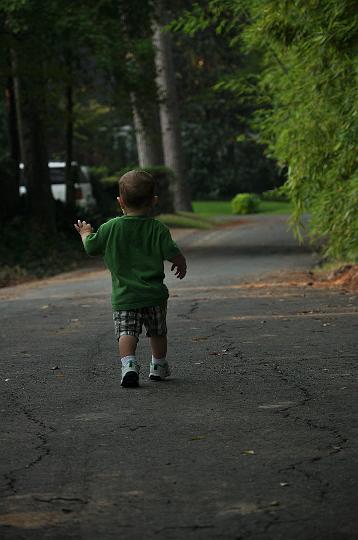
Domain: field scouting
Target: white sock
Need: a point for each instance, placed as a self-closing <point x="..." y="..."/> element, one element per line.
<point x="126" y="359"/>
<point x="159" y="360"/>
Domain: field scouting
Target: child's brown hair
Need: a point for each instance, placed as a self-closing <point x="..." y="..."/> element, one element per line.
<point x="137" y="188"/>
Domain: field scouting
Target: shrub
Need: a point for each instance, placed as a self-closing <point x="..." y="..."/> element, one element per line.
<point x="245" y="203"/>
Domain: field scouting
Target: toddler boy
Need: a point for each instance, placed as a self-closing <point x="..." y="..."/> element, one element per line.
<point x="134" y="247"/>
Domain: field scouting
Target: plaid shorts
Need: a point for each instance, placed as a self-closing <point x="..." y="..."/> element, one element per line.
<point x="129" y="322"/>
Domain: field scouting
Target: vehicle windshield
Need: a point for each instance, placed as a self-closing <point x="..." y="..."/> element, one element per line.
<point x="57" y="175"/>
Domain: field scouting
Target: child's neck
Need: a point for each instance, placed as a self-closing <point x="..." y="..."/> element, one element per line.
<point x="134" y="212"/>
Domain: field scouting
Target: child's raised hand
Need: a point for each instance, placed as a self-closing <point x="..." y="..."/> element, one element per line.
<point x="179" y="265"/>
<point x="83" y="228"/>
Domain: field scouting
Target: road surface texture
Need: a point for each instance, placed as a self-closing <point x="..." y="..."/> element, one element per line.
<point x="253" y="437"/>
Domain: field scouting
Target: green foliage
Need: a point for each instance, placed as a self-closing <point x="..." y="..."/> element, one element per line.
<point x="335" y="219"/>
<point x="245" y="203"/>
<point x="277" y="194"/>
<point x="311" y="123"/>
<point x="306" y="91"/>
<point x="56" y="47"/>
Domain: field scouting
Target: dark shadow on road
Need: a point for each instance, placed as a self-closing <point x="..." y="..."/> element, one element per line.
<point x="249" y="251"/>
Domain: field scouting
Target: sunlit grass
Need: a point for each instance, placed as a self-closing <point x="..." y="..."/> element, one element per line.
<point x="275" y="207"/>
<point x="212" y="208"/>
<point x="220" y="208"/>
<point x="186" y="220"/>
<point x="206" y="213"/>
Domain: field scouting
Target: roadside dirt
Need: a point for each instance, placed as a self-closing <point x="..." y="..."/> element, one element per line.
<point x="83" y="267"/>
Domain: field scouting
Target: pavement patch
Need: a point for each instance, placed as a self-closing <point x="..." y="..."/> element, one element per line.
<point x="93" y="417"/>
<point x="246" y="508"/>
<point x="265" y="316"/>
<point x="279" y="405"/>
<point x="32" y="520"/>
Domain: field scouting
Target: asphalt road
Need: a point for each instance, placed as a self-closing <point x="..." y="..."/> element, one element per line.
<point x="253" y="437"/>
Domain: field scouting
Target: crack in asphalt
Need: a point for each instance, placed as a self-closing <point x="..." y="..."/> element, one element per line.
<point x="333" y="449"/>
<point x="273" y="520"/>
<point x="93" y="352"/>
<point x="287" y="412"/>
<point x="214" y="330"/>
<point x="61" y="499"/>
<point x="43" y="448"/>
<point x="190" y="527"/>
<point x="233" y="351"/>
<point x="132" y="428"/>
<point x="194" y="306"/>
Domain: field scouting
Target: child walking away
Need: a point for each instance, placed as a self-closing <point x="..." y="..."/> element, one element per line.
<point x="134" y="247"/>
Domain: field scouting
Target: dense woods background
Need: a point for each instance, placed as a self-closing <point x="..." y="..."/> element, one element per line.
<point x="230" y="96"/>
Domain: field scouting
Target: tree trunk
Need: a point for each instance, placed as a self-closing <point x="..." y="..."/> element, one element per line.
<point x="70" y="188"/>
<point x="32" y="113"/>
<point x="12" y="127"/>
<point x="169" y="115"/>
<point x="36" y="170"/>
<point x="147" y="132"/>
<point x="10" y="171"/>
<point x="14" y="70"/>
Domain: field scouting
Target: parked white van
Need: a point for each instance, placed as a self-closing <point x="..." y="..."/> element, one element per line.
<point x="83" y="187"/>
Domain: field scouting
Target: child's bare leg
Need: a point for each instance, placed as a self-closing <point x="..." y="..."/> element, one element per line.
<point x="127" y="346"/>
<point x="159" y="346"/>
<point x="159" y="367"/>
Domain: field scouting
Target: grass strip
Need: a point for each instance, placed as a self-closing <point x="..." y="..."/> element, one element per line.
<point x="221" y="208"/>
<point x="186" y="220"/>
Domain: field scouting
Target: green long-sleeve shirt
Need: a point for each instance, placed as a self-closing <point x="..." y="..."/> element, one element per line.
<point x="134" y="248"/>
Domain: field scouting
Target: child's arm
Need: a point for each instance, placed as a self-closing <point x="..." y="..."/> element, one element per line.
<point x="179" y="265"/>
<point x="94" y="242"/>
<point x="172" y="253"/>
<point x="83" y="229"/>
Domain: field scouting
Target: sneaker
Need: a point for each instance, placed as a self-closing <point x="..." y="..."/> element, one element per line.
<point x="158" y="372"/>
<point x="130" y="375"/>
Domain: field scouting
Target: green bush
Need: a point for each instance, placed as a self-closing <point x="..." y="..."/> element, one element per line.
<point x="245" y="203"/>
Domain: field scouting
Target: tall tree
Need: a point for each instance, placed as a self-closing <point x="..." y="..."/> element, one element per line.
<point x="169" y="110"/>
<point x="69" y="122"/>
<point x="26" y="36"/>
<point x="10" y="166"/>
<point x="32" y="111"/>
<point x="147" y="132"/>
<point x="140" y="83"/>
